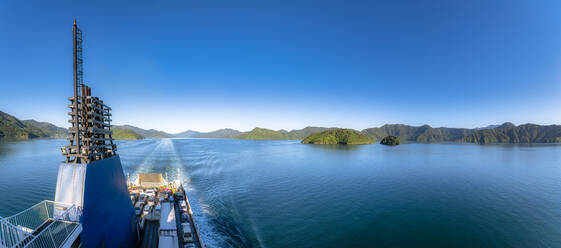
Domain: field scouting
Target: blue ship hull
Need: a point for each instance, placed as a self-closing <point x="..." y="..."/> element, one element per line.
<point x="100" y="189"/>
<point x="108" y="217"/>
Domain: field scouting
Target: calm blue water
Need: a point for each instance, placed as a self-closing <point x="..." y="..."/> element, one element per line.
<point x="285" y="194"/>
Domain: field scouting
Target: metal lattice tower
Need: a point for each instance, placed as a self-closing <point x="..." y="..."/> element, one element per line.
<point x="90" y="134"/>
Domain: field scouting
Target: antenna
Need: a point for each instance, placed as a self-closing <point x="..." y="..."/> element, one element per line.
<point x="78" y="81"/>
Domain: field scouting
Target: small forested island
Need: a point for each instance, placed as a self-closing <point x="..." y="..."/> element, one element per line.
<point x="390" y="141"/>
<point x="338" y="136"/>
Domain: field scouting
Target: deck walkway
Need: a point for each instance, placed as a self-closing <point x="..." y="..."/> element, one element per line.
<point x="150" y="237"/>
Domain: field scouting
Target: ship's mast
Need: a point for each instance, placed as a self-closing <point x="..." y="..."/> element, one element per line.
<point x="90" y="134"/>
<point x="78" y="81"/>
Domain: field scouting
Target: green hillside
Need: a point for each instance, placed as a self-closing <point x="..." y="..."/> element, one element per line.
<point x="263" y="134"/>
<point x="226" y="133"/>
<point x="146" y="133"/>
<point x="49" y="129"/>
<point x="268" y="134"/>
<point x="300" y="134"/>
<point x="125" y="134"/>
<point x="423" y="134"/>
<point x="13" y="128"/>
<point x="508" y="133"/>
<point x="338" y="136"/>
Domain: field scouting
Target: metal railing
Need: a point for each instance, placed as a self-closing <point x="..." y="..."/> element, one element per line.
<point x="46" y="224"/>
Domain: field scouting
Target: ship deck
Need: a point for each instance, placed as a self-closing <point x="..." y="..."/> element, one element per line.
<point x="164" y="227"/>
<point x="149" y="236"/>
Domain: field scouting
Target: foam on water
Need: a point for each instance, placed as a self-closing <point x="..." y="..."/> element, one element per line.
<point x="165" y="157"/>
<point x="208" y="233"/>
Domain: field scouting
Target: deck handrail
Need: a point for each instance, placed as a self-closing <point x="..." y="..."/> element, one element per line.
<point x="32" y="226"/>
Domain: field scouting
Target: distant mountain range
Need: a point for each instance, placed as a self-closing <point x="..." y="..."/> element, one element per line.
<point x="505" y="133"/>
<point x="226" y="133"/>
<point x="146" y="133"/>
<point x="13" y="128"/>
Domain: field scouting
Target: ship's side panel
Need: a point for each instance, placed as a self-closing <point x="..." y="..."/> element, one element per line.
<point x="70" y="184"/>
<point x="108" y="218"/>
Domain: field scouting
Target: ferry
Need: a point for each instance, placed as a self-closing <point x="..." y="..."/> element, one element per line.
<point x="95" y="205"/>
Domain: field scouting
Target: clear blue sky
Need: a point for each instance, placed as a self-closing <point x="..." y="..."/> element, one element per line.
<point x="205" y="65"/>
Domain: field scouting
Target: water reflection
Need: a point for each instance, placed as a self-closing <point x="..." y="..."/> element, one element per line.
<point x="4" y="149"/>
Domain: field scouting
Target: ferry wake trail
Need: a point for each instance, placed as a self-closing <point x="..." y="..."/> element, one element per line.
<point x="161" y="156"/>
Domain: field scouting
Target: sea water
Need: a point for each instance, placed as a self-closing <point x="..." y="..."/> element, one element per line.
<point x="286" y="194"/>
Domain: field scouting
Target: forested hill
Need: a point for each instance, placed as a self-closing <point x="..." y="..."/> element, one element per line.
<point x="505" y="133"/>
<point x="424" y="134"/>
<point x="338" y="136"/>
<point x="49" y="129"/>
<point x="268" y="134"/>
<point x="508" y="133"/>
<point x="147" y="133"/>
<point x="13" y="128"/>
<point x="225" y="133"/>
<point x="125" y="134"/>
